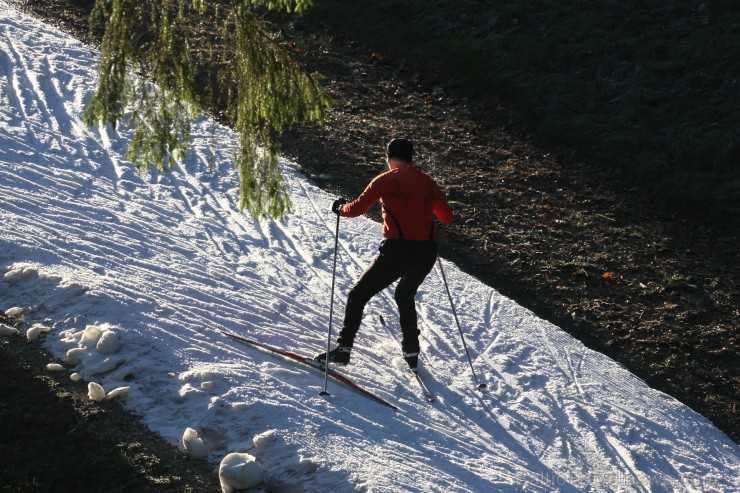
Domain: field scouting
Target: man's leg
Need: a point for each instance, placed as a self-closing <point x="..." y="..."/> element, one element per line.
<point x="418" y="264"/>
<point x="384" y="270"/>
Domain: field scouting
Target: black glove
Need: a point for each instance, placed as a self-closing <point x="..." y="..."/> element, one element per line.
<point x="336" y="207"/>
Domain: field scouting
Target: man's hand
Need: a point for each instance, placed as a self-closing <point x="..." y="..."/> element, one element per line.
<point x="336" y="207"/>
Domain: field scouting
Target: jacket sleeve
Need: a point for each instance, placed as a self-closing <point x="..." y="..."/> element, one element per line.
<point x="366" y="200"/>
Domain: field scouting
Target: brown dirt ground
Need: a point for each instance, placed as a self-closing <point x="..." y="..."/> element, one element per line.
<point x="54" y="439"/>
<point x="574" y="243"/>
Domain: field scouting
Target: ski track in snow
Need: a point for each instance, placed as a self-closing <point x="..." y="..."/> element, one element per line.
<point x="167" y="260"/>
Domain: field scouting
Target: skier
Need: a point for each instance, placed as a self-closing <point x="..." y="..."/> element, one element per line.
<point x="410" y="200"/>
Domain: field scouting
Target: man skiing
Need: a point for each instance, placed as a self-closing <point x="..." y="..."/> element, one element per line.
<point x="411" y="200"/>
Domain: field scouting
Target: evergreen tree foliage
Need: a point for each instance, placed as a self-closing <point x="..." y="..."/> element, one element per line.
<point x="155" y="55"/>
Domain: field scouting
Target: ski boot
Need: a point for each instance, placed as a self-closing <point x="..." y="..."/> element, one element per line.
<point x="412" y="359"/>
<point x="339" y="355"/>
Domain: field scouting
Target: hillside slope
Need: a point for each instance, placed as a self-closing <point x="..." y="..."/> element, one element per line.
<point x="128" y="277"/>
<point x="566" y="239"/>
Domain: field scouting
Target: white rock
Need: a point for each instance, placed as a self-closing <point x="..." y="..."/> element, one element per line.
<point x="14" y="312"/>
<point x="95" y="392"/>
<point x="54" y="367"/>
<point x="193" y="445"/>
<point x="75" y="377"/>
<point x="6" y="330"/>
<point x="109" y="343"/>
<point x="120" y="392"/>
<point x="239" y="472"/>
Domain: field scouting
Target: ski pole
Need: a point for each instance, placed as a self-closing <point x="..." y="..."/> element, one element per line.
<point x="331" y="310"/>
<point x="478" y="386"/>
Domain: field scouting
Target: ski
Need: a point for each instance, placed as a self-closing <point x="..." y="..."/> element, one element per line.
<point x="424" y="390"/>
<point x="311" y="363"/>
<point x="428" y="396"/>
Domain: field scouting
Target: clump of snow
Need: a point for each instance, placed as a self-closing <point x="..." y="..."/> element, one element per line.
<point x="18" y="272"/>
<point x="239" y="471"/>
<point x="186" y="391"/>
<point x="237" y="406"/>
<point x="69" y="336"/>
<point x="54" y="367"/>
<point x="75" y="377"/>
<point x="109" y="343"/>
<point x="307" y="466"/>
<point x="95" y="392"/>
<point x="95" y="347"/>
<point x="7" y="331"/>
<point x="14" y="312"/>
<point x="187" y="376"/>
<point x="117" y="393"/>
<point x="74" y="355"/>
<point x="193" y="444"/>
<point x="55" y="278"/>
<point x="107" y="365"/>
<point x="265" y="439"/>
<point x="13" y="275"/>
<point x="90" y="336"/>
<point x="35" y="331"/>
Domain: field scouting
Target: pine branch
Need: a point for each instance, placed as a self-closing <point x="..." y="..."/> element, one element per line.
<point x="264" y="88"/>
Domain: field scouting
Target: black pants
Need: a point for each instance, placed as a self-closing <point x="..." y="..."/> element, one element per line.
<point x="407" y="261"/>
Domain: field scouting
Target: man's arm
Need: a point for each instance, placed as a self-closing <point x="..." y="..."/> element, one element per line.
<point x="442" y="209"/>
<point x="366" y="200"/>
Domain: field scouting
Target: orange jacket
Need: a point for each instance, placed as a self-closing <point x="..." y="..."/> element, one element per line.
<point x="411" y="199"/>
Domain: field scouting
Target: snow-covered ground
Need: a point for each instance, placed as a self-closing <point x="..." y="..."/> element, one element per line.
<point x="159" y="263"/>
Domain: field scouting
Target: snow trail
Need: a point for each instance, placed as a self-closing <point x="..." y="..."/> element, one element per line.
<point x="165" y="261"/>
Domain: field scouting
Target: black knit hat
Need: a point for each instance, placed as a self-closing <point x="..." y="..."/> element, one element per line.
<point x="401" y="150"/>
